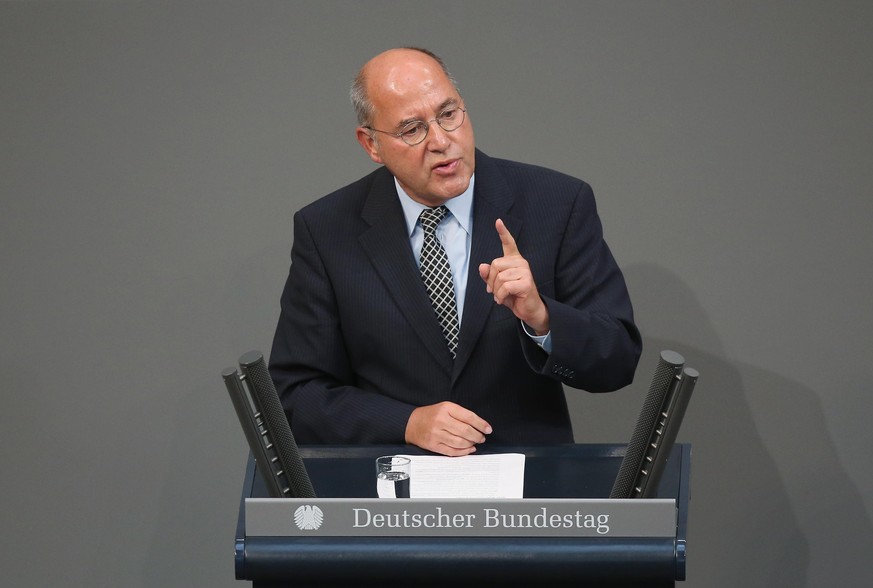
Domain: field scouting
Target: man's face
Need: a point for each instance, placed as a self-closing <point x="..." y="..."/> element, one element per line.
<point x="405" y="86"/>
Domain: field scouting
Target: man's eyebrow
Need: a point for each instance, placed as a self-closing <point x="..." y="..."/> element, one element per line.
<point x="406" y="122"/>
<point x="448" y="102"/>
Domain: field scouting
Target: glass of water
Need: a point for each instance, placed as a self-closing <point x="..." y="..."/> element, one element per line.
<point x="392" y="476"/>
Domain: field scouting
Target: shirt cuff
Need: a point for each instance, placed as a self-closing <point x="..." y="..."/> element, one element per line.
<point x="544" y="341"/>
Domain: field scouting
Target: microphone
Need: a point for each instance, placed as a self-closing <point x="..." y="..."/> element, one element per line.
<point x="266" y="428"/>
<point x="656" y="428"/>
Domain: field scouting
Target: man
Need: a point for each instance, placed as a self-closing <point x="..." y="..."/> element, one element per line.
<point x="366" y="350"/>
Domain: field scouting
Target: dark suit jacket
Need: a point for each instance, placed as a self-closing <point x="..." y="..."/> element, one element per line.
<point x="358" y="345"/>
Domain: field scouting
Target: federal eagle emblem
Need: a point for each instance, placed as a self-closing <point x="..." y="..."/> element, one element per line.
<point x="308" y="517"/>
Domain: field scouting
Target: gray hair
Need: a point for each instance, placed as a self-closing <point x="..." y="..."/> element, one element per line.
<point x="364" y="109"/>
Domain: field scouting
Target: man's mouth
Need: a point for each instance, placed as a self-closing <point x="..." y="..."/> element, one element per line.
<point x="447" y="167"/>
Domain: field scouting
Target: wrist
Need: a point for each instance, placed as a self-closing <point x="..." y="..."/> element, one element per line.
<point x="539" y="322"/>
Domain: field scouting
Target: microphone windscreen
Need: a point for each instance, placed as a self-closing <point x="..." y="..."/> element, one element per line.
<point x="255" y="369"/>
<point x="669" y="367"/>
<point x="257" y="437"/>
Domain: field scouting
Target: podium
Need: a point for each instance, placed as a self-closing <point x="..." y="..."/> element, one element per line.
<point x="580" y="471"/>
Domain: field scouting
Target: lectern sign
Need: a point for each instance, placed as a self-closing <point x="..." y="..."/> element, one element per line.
<point x="326" y="517"/>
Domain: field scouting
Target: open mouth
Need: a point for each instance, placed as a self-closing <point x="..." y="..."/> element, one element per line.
<point x="447" y="167"/>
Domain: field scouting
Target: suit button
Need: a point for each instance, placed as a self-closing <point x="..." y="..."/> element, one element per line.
<point x="563" y="371"/>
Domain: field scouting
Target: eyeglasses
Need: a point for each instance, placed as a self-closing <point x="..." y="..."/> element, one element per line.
<point x="415" y="132"/>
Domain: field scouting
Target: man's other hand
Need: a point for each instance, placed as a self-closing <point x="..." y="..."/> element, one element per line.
<point x="446" y="428"/>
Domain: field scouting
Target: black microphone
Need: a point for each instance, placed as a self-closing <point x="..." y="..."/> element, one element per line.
<point x="266" y="428"/>
<point x="656" y="428"/>
<point x="256" y="435"/>
<point x="662" y="441"/>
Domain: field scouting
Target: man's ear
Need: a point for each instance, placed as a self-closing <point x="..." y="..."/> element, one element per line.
<point x="368" y="142"/>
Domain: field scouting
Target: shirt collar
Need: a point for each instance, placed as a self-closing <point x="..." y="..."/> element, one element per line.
<point x="460" y="206"/>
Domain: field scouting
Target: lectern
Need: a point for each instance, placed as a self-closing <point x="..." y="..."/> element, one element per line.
<point x="579" y="471"/>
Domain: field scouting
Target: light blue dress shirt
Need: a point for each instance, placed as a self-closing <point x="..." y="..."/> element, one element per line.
<point x="455" y="234"/>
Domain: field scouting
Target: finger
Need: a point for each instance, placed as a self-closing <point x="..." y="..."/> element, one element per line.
<point x="484" y="271"/>
<point x="452" y="451"/>
<point x="471" y="419"/>
<point x="507" y="282"/>
<point x="458" y="436"/>
<point x="498" y="272"/>
<point x="461" y="442"/>
<point x="506" y="239"/>
<point x="512" y="281"/>
<point x="489" y="272"/>
<point x="462" y="436"/>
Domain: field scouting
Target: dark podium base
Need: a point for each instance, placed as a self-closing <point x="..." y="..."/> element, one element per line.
<point x="567" y="471"/>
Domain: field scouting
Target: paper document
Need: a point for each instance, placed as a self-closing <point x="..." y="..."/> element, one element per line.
<point x="471" y="476"/>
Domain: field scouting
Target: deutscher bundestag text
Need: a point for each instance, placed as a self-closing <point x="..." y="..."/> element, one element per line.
<point x="491" y="518"/>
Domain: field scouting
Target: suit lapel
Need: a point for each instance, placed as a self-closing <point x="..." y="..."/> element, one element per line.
<point x="492" y="199"/>
<point x="386" y="243"/>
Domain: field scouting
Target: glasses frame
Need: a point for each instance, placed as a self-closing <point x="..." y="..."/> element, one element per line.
<point x="426" y="123"/>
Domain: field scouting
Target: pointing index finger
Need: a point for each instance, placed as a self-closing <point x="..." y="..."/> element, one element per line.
<point x="506" y="239"/>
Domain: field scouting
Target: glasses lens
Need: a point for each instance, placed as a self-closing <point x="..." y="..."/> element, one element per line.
<point x="450" y="120"/>
<point x="414" y="134"/>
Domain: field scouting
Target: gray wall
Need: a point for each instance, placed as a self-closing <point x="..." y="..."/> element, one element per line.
<point x="154" y="153"/>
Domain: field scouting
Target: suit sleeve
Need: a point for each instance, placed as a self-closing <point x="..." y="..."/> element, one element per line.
<point x="310" y="366"/>
<point x="595" y="344"/>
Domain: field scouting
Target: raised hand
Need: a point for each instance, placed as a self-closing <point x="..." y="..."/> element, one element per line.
<point x="510" y="280"/>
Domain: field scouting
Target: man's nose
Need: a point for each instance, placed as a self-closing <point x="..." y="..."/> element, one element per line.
<point x="437" y="138"/>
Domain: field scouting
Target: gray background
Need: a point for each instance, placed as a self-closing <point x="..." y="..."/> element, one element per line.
<point x="154" y="153"/>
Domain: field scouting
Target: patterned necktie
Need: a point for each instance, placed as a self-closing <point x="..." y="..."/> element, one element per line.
<point x="437" y="276"/>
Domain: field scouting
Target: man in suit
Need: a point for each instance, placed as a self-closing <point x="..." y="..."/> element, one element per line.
<point x="362" y="355"/>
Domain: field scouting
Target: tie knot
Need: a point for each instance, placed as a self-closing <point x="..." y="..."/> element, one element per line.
<point x="431" y="217"/>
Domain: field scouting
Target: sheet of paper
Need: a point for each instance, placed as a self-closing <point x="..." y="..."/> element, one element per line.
<point x="472" y="476"/>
